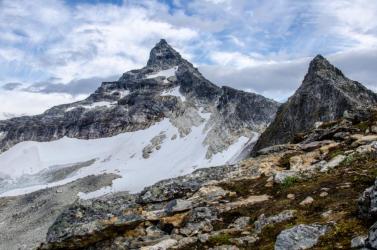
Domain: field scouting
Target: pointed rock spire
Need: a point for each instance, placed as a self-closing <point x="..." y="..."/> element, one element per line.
<point x="163" y="56"/>
<point x="319" y="63"/>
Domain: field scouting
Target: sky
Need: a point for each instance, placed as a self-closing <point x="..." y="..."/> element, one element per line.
<point x="57" y="51"/>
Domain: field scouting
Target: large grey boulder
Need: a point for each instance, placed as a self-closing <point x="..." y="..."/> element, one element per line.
<point x="300" y="237"/>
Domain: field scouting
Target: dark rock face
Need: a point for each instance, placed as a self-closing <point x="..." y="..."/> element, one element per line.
<point x="137" y="101"/>
<point x="368" y="203"/>
<point x="323" y="96"/>
<point x="164" y="56"/>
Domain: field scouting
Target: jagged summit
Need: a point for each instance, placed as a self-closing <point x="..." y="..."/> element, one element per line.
<point x="164" y="56"/>
<point x="324" y="95"/>
<point x="319" y="65"/>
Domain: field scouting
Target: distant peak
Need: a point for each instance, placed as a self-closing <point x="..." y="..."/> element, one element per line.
<point x="320" y="63"/>
<point x="162" y="42"/>
<point x="163" y="55"/>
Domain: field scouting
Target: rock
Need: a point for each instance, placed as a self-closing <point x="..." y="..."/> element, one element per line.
<point x="203" y="237"/>
<point x="209" y="193"/>
<point x="363" y="139"/>
<point x="246" y="240"/>
<point x="253" y="199"/>
<point x="186" y="241"/>
<point x="291" y="196"/>
<point x="371" y="241"/>
<point x="314" y="145"/>
<point x="300" y="237"/>
<point x="199" y="221"/>
<point x="176" y="220"/>
<point x="323" y="194"/>
<point x="334" y="162"/>
<point x="178" y="205"/>
<point x="368" y="203"/>
<point x="163" y="245"/>
<point x="263" y="221"/>
<point x="224" y="247"/>
<point x="307" y="201"/>
<point x="327" y="214"/>
<point x="373" y="129"/>
<point x="276" y="149"/>
<point x="179" y="187"/>
<point x="240" y="223"/>
<point x="358" y="242"/>
<point x="371" y="147"/>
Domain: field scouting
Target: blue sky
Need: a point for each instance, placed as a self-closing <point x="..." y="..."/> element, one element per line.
<point x="62" y="50"/>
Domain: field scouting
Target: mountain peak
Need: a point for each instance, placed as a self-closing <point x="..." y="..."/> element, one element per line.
<point x="163" y="56"/>
<point x="320" y="63"/>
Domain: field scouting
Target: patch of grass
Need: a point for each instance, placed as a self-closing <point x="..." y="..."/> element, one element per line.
<point x="339" y="237"/>
<point x="334" y="152"/>
<point x="289" y="181"/>
<point x="349" y="159"/>
<point x="362" y="126"/>
<point x="220" y="239"/>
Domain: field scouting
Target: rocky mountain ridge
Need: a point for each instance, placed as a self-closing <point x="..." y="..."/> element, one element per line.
<point x="325" y="94"/>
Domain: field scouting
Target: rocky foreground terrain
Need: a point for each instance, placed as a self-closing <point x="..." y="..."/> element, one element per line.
<point x="318" y="193"/>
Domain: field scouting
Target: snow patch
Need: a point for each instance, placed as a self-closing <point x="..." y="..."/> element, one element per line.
<point x="165" y="73"/>
<point x="173" y="92"/>
<point x="93" y="105"/>
<point x="122" y="93"/>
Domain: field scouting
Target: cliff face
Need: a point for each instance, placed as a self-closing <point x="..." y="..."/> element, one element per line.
<point x="323" y="96"/>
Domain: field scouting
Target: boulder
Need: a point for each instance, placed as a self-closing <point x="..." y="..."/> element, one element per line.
<point x="368" y="202"/>
<point x="334" y="162"/>
<point x="300" y="237"/>
<point x="264" y="221"/>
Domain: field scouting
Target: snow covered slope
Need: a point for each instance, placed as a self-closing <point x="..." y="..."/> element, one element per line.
<point x="122" y="154"/>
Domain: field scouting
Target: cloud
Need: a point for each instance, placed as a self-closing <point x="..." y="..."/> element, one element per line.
<point x="278" y="80"/>
<point x="17" y="103"/>
<point x="81" y="41"/>
<point x="262" y="46"/>
<point x="12" y="86"/>
<point x="84" y="86"/>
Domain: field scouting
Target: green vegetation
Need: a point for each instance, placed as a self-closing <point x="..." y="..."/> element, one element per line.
<point x="220" y="239"/>
<point x="289" y="181"/>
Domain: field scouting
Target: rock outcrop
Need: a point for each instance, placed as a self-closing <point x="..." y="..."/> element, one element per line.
<point x="324" y="95"/>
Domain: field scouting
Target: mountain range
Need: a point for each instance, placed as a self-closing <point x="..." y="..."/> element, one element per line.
<point x="145" y="153"/>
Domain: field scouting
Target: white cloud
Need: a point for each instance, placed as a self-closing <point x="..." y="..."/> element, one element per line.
<point x="16" y="103"/>
<point x="261" y="46"/>
<point x="86" y="40"/>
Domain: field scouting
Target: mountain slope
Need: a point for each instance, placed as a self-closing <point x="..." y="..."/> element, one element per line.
<point x="323" y="96"/>
<point x="157" y="122"/>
